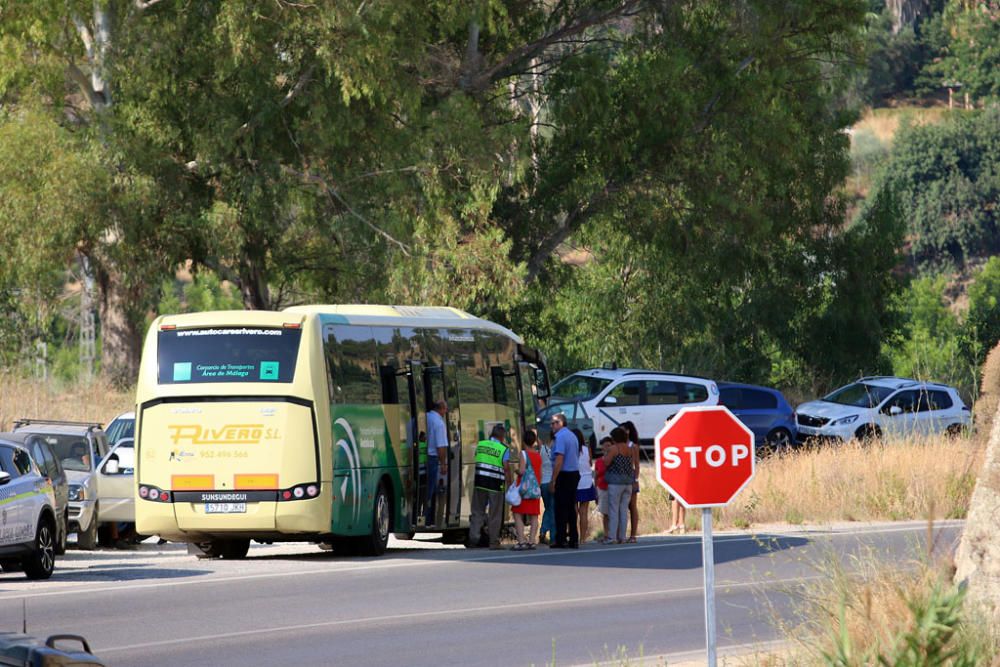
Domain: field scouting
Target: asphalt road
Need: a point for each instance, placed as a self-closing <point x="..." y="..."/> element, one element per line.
<point x="425" y="604"/>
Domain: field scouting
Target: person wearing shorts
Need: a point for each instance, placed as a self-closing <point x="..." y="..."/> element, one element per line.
<point x="585" y="491"/>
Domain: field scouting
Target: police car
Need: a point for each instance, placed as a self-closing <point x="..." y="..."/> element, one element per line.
<point x="27" y="514"/>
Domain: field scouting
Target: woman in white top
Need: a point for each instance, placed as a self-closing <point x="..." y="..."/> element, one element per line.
<point x="585" y="490"/>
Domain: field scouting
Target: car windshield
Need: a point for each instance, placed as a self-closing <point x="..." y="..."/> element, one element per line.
<point x="859" y="395"/>
<point x="73" y="451"/>
<point x="121" y="427"/>
<point x="578" y="388"/>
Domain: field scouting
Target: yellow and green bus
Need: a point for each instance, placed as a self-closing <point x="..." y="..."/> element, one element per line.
<point x="307" y="424"/>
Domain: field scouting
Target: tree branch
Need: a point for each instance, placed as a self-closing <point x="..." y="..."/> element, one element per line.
<point x="142" y="5"/>
<point x="508" y="64"/>
<point x="295" y="91"/>
<point x="83" y="82"/>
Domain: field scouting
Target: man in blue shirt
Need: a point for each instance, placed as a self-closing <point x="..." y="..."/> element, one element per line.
<point x="565" y="478"/>
<point x="437" y="457"/>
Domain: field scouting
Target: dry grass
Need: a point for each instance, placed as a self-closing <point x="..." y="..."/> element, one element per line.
<point x="915" y="479"/>
<point x="884" y="123"/>
<point x="96" y="401"/>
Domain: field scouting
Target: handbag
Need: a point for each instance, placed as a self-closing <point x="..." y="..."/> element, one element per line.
<point x="529" y="488"/>
<point x="513" y="496"/>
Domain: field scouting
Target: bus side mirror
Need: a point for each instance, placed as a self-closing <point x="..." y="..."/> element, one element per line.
<point x="541" y="383"/>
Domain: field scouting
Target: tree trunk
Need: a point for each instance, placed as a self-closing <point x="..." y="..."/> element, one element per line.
<point x="977" y="561"/>
<point x="121" y="339"/>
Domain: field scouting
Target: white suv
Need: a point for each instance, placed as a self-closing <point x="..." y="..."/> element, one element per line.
<point x="647" y="398"/>
<point x="27" y="514"/>
<point x="879" y="405"/>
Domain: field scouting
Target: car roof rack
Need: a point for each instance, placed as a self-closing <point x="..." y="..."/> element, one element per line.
<point x="682" y="375"/>
<point x="24" y="421"/>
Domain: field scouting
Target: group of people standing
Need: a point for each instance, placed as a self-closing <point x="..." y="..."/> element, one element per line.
<point x="569" y="483"/>
<point x="569" y="476"/>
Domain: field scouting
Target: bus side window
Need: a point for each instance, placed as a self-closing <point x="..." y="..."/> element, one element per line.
<point x="499" y="386"/>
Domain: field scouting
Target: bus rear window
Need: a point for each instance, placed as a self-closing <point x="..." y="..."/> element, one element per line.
<point x="238" y="354"/>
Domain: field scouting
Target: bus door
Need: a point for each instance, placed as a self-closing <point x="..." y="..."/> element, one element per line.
<point x="418" y="426"/>
<point x="441" y="382"/>
<point x="526" y="393"/>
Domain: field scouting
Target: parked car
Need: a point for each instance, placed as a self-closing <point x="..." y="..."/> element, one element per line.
<point x="116" y="482"/>
<point x="576" y="417"/>
<point x="122" y="426"/>
<point x="50" y="467"/>
<point x="878" y="405"/>
<point x="81" y="449"/>
<point x="647" y="398"/>
<point x="26" y="651"/>
<point x="764" y="411"/>
<point x="27" y="514"/>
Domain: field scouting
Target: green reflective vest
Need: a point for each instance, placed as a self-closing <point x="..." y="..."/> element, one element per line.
<point x="489" y="465"/>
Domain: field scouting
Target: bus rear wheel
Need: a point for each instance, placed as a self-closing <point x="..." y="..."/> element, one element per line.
<point x="235" y="549"/>
<point x="375" y="543"/>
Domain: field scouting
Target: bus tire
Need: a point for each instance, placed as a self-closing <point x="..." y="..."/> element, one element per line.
<point x="375" y="543"/>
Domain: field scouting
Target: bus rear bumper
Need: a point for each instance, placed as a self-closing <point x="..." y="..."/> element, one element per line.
<point x="263" y="518"/>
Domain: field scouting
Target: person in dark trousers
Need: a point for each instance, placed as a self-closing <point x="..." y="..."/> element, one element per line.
<point x="565" y="478"/>
<point x="492" y="477"/>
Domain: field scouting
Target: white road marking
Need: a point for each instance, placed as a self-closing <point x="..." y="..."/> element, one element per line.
<point x="444" y="612"/>
<point x="199" y="579"/>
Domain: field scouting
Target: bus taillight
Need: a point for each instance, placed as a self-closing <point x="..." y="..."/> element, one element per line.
<point x="300" y="492"/>
<point x="147" y="492"/>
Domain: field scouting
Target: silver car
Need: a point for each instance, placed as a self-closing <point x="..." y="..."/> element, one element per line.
<point x="95" y="487"/>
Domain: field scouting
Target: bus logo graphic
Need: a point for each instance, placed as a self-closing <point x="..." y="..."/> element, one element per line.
<point x="229" y="434"/>
<point x="350" y="447"/>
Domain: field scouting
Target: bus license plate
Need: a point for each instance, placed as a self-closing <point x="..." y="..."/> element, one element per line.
<point x="225" y="508"/>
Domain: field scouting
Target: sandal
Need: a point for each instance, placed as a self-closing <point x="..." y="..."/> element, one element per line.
<point x="530" y="547"/>
<point x="631" y="540"/>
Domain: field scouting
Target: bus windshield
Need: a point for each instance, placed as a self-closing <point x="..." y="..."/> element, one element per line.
<point x="236" y="354"/>
<point x="578" y="388"/>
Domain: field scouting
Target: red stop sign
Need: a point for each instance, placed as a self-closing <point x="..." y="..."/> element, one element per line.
<point x="704" y="456"/>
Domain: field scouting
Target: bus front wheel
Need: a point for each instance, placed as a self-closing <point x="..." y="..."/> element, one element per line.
<point x="227" y="549"/>
<point x="375" y="543"/>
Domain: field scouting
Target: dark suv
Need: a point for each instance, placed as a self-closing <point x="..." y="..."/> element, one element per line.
<point x="50" y="467"/>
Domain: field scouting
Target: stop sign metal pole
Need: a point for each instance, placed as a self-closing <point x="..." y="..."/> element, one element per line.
<point x="700" y="430"/>
<point x="708" y="568"/>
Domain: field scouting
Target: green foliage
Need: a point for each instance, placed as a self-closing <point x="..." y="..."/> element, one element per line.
<point x="932" y="635"/>
<point x="203" y="293"/>
<point x="967" y="35"/>
<point x="983" y="319"/>
<point x="929" y="343"/>
<point x="945" y="177"/>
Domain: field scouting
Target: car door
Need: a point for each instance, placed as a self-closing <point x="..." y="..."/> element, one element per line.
<point x="758" y="411"/>
<point x="897" y="416"/>
<point x="15" y="516"/>
<point x="621" y="403"/>
<point x="115" y="479"/>
<point x="934" y="410"/>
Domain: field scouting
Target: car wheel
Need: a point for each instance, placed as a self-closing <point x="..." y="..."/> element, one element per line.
<point x="87" y="539"/>
<point x="868" y="434"/>
<point x="234" y="549"/>
<point x="42" y="561"/>
<point x="955" y="431"/>
<point x="62" y="528"/>
<point x="779" y="441"/>
<point x="375" y="543"/>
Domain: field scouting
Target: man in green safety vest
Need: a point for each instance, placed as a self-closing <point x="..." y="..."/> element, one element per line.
<point x="492" y="477"/>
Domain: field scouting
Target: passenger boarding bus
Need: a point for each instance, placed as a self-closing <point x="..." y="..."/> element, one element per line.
<point x="308" y="424"/>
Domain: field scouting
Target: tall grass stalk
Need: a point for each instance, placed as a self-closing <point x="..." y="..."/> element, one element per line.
<point x="916" y="478"/>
